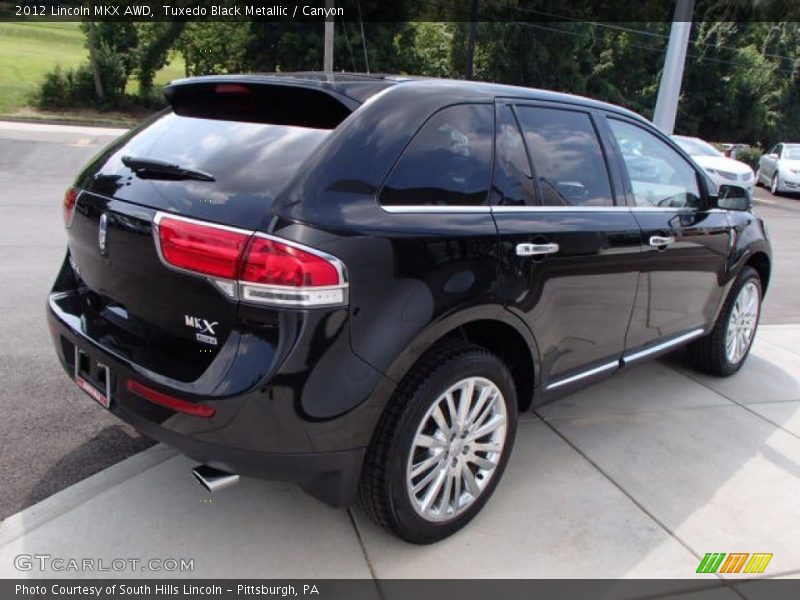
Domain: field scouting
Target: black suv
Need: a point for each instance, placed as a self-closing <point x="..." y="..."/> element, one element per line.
<point x="356" y="283"/>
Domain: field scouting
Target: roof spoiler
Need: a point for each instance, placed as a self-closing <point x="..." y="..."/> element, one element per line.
<point x="263" y="99"/>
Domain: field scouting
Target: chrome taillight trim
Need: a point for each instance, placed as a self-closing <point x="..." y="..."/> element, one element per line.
<point x="259" y="293"/>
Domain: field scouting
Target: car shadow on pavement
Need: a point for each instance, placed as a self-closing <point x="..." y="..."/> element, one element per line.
<point x="108" y="447"/>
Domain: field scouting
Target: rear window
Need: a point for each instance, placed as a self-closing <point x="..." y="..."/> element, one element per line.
<point x="251" y="163"/>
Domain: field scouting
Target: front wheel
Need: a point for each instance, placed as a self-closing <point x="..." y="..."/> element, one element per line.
<point x="442" y="444"/>
<point x="724" y="350"/>
<point x="775" y="185"/>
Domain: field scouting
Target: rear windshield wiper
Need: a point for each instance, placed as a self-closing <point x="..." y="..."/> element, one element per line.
<point x="147" y="168"/>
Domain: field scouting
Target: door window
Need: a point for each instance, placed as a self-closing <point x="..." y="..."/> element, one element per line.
<point x="568" y="161"/>
<point x="513" y="180"/>
<point x="659" y="176"/>
<point x="448" y="162"/>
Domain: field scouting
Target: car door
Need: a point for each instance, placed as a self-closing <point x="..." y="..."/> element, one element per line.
<point x="685" y="241"/>
<point x="567" y="250"/>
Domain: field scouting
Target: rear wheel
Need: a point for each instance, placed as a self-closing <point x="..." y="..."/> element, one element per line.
<point x="724" y="350"/>
<point x="442" y="444"/>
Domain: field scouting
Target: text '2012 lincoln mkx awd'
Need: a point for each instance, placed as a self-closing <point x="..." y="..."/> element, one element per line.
<point x="357" y="283"/>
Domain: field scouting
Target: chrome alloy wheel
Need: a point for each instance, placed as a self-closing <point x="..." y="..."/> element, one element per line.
<point x="456" y="449"/>
<point x="742" y="323"/>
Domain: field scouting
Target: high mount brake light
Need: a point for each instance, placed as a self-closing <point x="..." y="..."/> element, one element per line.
<point x="252" y="266"/>
<point x="70" y="199"/>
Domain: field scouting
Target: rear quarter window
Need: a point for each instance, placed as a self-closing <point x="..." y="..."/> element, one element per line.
<point x="447" y="163"/>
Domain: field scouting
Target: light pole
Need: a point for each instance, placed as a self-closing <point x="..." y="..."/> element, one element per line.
<point x="669" y="90"/>
<point x="327" y="59"/>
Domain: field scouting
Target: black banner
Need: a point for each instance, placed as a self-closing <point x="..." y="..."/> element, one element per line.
<point x="365" y="589"/>
<point x="394" y="11"/>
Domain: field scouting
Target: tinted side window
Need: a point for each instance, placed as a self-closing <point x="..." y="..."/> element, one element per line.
<point x="513" y="181"/>
<point x="567" y="159"/>
<point x="448" y="162"/>
<point x="659" y="176"/>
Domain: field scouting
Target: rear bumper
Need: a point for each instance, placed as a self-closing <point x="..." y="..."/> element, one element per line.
<point x="261" y="432"/>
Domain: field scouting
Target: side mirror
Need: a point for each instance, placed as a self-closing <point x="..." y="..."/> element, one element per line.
<point x="773" y="156"/>
<point x="733" y="197"/>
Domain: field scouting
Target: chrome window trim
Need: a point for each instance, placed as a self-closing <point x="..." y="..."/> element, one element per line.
<point x="629" y="358"/>
<point x="429" y="209"/>
<point x="595" y="371"/>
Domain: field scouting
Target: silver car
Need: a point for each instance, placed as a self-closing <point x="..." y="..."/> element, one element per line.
<point x="780" y="169"/>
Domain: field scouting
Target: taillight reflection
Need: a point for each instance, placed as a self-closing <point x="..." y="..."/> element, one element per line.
<point x="70" y="199"/>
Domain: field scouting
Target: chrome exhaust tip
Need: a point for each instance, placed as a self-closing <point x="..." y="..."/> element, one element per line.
<point x="213" y="479"/>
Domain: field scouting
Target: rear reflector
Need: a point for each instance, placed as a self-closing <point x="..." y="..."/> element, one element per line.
<point x="70" y="199"/>
<point x="254" y="267"/>
<point x="176" y="404"/>
<point x="201" y="248"/>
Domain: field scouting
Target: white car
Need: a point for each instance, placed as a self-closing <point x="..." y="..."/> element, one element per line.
<point x="780" y="169"/>
<point x="719" y="167"/>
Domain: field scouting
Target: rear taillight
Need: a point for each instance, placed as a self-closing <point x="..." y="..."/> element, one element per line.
<point x="70" y="199"/>
<point x="251" y="266"/>
<point x="204" y="249"/>
<point x="167" y="401"/>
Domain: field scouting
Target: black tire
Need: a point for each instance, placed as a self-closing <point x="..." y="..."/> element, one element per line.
<point x="383" y="493"/>
<point x="708" y="354"/>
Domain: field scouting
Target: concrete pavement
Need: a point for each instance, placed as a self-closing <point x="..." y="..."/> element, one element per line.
<point x="636" y="477"/>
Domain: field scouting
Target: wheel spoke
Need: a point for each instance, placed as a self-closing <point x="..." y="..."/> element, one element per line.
<point x="448" y="488"/>
<point x="486" y="429"/>
<point x="469" y="479"/>
<point x="425" y="481"/>
<point x="489" y="447"/>
<point x="467" y="391"/>
<point x="438" y="417"/>
<point x="428" y="441"/>
<point x="482" y="463"/>
<point x="485" y="395"/>
<point x="457" y="490"/>
<point x="451" y="409"/>
<point x="433" y="490"/>
<point x="488" y="409"/>
<point x="426" y="464"/>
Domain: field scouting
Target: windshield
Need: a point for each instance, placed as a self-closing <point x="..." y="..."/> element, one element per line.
<point x="695" y="147"/>
<point x="791" y="152"/>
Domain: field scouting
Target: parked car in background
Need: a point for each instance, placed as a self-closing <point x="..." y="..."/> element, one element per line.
<point x="780" y="169"/>
<point x="732" y="150"/>
<point x="720" y="168"/>
<point x="356" y="283"/>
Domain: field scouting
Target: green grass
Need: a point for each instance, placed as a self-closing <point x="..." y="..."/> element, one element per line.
<point x="29" y="50"/>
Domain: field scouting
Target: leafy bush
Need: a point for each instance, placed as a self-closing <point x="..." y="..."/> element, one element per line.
<point x="750" y="156"/>
<point x="68" y="88"/>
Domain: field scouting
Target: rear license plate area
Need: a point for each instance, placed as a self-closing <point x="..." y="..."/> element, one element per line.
<point x="93" y="377"/>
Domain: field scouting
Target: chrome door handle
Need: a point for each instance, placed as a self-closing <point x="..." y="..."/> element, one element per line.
<point x="660" y="240"/>
<point x="536" y="249"/>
